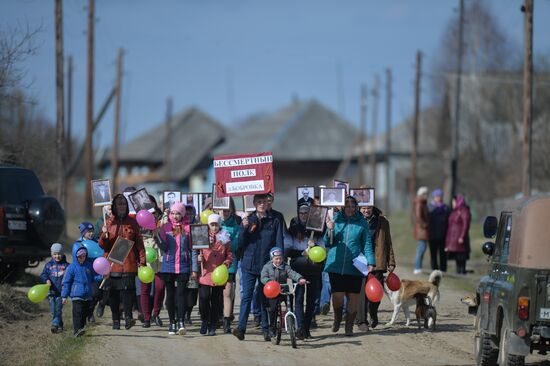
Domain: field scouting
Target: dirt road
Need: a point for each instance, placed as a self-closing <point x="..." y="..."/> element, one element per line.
<point x="450" y="344"/>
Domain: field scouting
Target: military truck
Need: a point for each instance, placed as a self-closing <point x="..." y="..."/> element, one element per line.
<point x="30" y="222"/>
<point x="513" y="300"/>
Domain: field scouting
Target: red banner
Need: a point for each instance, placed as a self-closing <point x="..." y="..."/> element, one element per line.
<point x="244" y="174"/>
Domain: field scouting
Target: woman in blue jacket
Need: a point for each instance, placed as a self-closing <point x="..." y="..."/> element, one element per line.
<point x="350" y="238"/>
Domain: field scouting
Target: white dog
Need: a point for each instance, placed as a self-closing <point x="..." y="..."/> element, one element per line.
<point x="405" y="296"/>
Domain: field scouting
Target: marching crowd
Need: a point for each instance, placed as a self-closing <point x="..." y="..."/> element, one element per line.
<point x="255" y="249"/>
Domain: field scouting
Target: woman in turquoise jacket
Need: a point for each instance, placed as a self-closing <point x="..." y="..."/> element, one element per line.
<point x="230" y="223"/>
<point x="347" y="237"/>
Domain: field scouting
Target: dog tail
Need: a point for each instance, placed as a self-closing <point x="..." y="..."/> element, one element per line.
<point x="435" y="277"/>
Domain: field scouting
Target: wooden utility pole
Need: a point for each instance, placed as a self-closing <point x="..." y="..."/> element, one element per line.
<point x="69" y="108"/>
<point x="114" y="155"/>
<point x="59" y="93"/>
<point x="374" y="130"/>
<point x="363" y="134"/>
<point x="168" y="145"/>
<point x="527" y="9"/>
<point x="412" y="187"/>
<point x="89" y="160"/>
<point x="456" y="134"/>
<point x="388" y="139"/>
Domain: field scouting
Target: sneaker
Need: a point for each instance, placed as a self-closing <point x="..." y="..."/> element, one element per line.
<point x="79" y="333"/>
<point x="116" y="324"/>
<point x="172" y="329"/>
<point x="181" y="328"/>
<point x="146" y="324"/>
<point x="91" y="319"/>
<point x="129" y="323"/>
<point x="257" y="321"/>
<point x="267" y="337"/>
<point x="325" y="308"/>
<point x="417" y="271"/>
<point x="99" y="310"/>
<point x="60" y="330"/>
<point x="212" y="331"/>
<point x="158" y="322"/>
<point x="204" y="328"/>
<point x="238" y="333"/>
<point x="54" y="328"/>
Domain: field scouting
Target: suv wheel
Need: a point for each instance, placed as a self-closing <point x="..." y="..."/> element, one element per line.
<point x="504" y="358"/>
<point x="484" y="350"/>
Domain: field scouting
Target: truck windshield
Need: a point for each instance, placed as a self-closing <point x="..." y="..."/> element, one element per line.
<point x="18" y="185"/>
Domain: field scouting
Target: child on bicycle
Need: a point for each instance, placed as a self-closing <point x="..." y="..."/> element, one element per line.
<point x="277" y="270"/>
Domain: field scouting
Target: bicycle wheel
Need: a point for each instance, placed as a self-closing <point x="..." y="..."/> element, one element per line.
<point x="276" y="338"/>
<point x="292" y="332"/>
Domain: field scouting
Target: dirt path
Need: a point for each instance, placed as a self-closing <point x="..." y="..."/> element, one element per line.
<point x="450" y="344"/>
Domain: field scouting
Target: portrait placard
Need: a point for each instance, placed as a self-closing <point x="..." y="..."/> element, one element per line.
<point x="169" y="197"/>
<point x="316" y="218"/>
<point x="305" y="195"/>
<point x="341" y="184"/>
<point x="249" y="203"/>
<point x="219" y="203"/>
<point x="333" y="197"/>
<point x="199" y="236"/>
<point x="141" y="201"/>
<point x="205" y="201"/>
<point x="101" y="192"/>
<point x="120" y="250"/>
<point x="364" y="196"/>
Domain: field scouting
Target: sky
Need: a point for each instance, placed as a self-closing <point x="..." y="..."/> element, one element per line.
<point x="240" y="57"/>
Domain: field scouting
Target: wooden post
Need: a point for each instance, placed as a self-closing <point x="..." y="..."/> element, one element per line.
<point x="527" y="97"/>
<point x="456" y="134"/>
<point x="168" y="145"/>
<point x="388" y="139"/>
<point x="59" y="93"/>
<point x="89" y="160"/>
<point x="362" y="133"/>
<point x="114" y="155"/>
<point x="69" y="108"/>
<point x="412" y="185"/>
<point x="373" y="132"/>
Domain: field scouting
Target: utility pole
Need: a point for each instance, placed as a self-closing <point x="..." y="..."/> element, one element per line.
<point x="412" y="187"/>
<point x="59" y="93"/>
<point x="456" y="139"/>
<point x="118" y="87"/>
<point x="362" y="134"/>
<point x="388" y="138"/>
<point x="69" y="107"/>
<point x="527" y="171"/>
<point x="89" y="160"/>
<point x="168" y="145"/>
<point x="375" y="98"/>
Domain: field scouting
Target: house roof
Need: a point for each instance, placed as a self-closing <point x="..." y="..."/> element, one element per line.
<point x="194" y="134"/>
<point x="304" y="130"/>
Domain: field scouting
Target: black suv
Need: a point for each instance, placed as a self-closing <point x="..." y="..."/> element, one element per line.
<point x="30" y="222"/>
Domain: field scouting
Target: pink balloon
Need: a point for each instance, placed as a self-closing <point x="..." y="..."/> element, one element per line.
<point x="102" y="266"/>
<point x="146" y="220"/>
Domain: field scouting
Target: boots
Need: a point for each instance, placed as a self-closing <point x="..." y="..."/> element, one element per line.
<point x="129" y="323"/>
<point x="337" y="319"/>
<point x="350" y="317"/>
<point x="227" y="325"/>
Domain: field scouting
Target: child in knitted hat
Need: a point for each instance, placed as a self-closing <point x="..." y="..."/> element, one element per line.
<point x="52" y="274"/>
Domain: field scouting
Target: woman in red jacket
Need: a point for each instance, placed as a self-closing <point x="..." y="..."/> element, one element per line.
<point x="457" y="241"/>
<point x="121" y="281"/>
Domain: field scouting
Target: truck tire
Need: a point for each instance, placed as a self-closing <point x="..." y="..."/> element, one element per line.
<point x="484" y="351"/>
<point x="47" y="218"/>
<point x="505" y="358"/>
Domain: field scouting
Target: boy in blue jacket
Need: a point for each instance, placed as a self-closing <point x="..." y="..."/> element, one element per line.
<point x="52" y="274"/>
<point x="78" y="284"/>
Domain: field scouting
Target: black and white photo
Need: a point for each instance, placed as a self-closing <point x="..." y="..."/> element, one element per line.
<point x="249" y="203"/>
<point x="316" y="218"/>
<point x="169" y="197"/>
<point x="199" y="236"/>
<point x="305" y="195"/>
<point x="141" y="201"/>
<point x="333" y="197"/>
<point x="120" y="250"/>
<point x="364" y="196"/>
<point x="205" y="201"/>
<point x="341" y="184"/>
<point x="191" y="199"/>
<point x="101" y="192"/>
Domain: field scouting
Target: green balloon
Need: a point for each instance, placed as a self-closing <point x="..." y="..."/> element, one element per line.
<point x="220" y="275"/>
<point x="38" y="293"/>
<point x="317" y="254"/>
<point x="150" y="254"/>
<point x="146" y="274"/>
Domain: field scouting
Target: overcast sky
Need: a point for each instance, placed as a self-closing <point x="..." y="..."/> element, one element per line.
<point x="237" y="57"/>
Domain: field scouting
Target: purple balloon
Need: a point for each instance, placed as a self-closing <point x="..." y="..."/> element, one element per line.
<point x="102" y="266"/>
<point x="146" y="220"/>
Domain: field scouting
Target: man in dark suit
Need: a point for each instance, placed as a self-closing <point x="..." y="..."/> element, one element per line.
<point x="306" y="199"/>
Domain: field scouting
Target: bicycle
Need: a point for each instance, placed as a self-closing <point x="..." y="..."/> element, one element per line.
<point x="286" y="317"/>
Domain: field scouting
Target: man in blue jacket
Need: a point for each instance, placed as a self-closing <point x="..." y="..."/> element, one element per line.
<point x="258" y="233"/>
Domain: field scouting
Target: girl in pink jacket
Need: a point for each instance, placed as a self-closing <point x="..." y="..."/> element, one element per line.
<point x="211" y="295"/>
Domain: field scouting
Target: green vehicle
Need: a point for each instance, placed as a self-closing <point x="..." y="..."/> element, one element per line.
<point x="513" y="300"/>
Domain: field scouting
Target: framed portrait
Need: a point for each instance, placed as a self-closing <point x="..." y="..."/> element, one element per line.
<point x="120" y="250"/>
<point x="101" y="192"/>
<point x="316" y="218"/>
<point x="239" y="203"/>
<point x="191" y="199"/>
<point x="219" y="203"/>
<point x="130" y="204"/>
<point x="305" y="195"/>
<point x="333" y="197"/>
<point x="205" y="200"/>
<point x="169" y="197"/>
<point x="249" y="203"/>
<point x="141" y="201"/>
<point x="364" y="196"/>
<point x="341" y="184"/>
<point x="199" y="236"/>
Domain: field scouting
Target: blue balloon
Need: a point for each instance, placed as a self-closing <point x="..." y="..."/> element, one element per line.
<point x="94" y="250"/>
